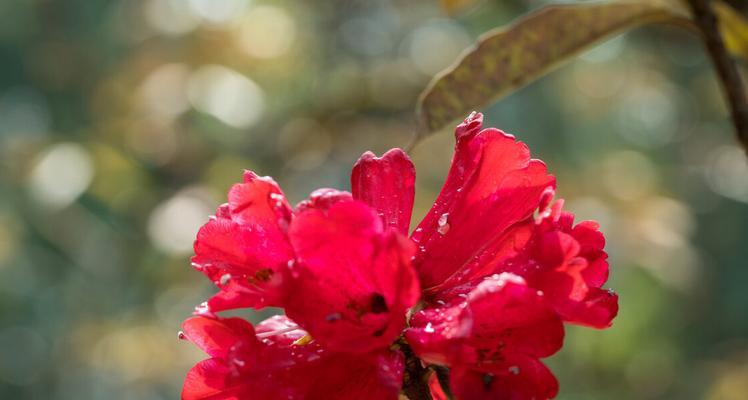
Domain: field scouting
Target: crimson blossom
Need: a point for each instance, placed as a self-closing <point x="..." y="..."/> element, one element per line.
<point x="477" y="295"/>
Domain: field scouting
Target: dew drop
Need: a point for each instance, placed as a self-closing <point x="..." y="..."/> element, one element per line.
<point x="429" y="328"/>
<point x="225" y="278"/>
<point x="514" y="370"/>
<point x="443" y="224"/>
<point x="204" y="309"/>
<point x="181" y="336"/>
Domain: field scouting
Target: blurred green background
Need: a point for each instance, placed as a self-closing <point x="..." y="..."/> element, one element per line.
<point x="124" y="122"/>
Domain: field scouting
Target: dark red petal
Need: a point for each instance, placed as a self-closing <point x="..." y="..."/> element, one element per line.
<point x="517" y="378"/>
<point x="387" y="184"/>
<point x="352" y="377"/>
<point x="217" y="336"/>
<point x="246" y="241"/>
<point x="353" y="281"/>
<point x="499" y="316"/>
<point x="492" y="185"/>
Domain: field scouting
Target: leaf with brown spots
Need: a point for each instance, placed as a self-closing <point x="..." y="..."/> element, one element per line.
<point x="506" y="59"/>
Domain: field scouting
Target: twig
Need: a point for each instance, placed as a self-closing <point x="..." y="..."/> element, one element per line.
<point x="732" y="83"/>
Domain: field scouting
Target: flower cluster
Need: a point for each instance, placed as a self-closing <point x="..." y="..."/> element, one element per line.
<point x="481" y="288"/>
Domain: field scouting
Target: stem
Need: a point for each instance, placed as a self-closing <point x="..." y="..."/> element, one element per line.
<point x="732" y="83"/>
<point x="442" y="374"/>
<point x="416" y="377"/>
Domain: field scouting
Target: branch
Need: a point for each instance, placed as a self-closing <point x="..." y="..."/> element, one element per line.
<point x="732" y="83"/>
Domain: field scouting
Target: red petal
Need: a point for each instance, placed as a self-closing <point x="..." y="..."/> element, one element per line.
<point x="567" y="264"/>
<point x="498" y="317"/>
<point x="259" y="202"/>
<point x="275" y="367"/>
<point x="237" y="293"/>
<point x="353" y="282"/>
<point x="517" y="378"/>
<point x="572" y="267"/>
<point x="492" y="185"/>
<point x="387" y="184"/>
<point x="247" y="242"/>
<point x="217" y="336"/>
<point x="596" y="310"/>
<point x="323" y="199"/>
<point x="208" y="380"/>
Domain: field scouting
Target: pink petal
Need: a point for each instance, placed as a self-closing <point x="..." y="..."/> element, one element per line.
<point x="353" y="281"/>
<point x="387" y="184"/>
<point x="492" y="185"/>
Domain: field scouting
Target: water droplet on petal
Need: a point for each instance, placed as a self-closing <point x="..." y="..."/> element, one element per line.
<point x="443" y="224"/>
<point x="514" y="370"/>
<point x="181" y="336"/>
<point x="429" y="328"/>
<point x="225" y="278"/>
<point x="204" y="309"/>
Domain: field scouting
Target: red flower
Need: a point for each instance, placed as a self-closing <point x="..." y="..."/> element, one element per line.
<point x="497" y="267"/>
<point x="266" y="364"/>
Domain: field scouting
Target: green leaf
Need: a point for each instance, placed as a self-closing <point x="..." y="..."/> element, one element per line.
<point x="506" y="59"/>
